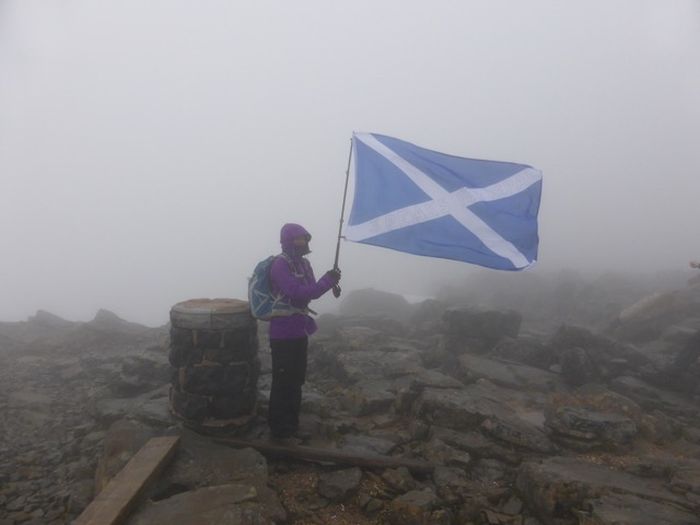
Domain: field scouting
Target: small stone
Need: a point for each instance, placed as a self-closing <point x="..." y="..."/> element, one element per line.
<point x="17" y="504"/>
<point x="399" y="479"/>
<point x="374" y="505"/>
<point x="412" y="508"/>
<point x="488" y="470"/>
<point x="339" y="484"/>
<point x="513" y="506"/>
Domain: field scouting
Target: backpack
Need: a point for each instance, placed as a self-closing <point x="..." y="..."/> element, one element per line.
<point x="264" y="304"/>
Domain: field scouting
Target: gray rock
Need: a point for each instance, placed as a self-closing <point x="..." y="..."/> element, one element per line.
<point x="686" y="477"/>
<point x="577" y="367"/>
<point x="399" y="479"/>
<point x="526" y="350"/>
<point x="614" y="509"/>
<point x="463" y="409"/>
<point x="489" y="471"/>
<point x="338" y="485"/>
<point x="430" y="378"/>
<point x="507" y="374"/>
<point x="521" y="434"/>
<point x="81" y="494"/>
<point x="476" y="408"/>
<point x="477" y="445"/>
<point x="556" y="487"/>
<point x="610" y="357"/>
<point x="199" y="463"/>
<point x="451" y="484"/>
<point x="146" y="408"/>
<point x="440" y="453"/>
<point x="140" y="374"/>
<point x="232" y="504"/>
<point x="591" y="427"/>
<point x="369" y="397"/>
<point x="375" y="302"/>
<point x="649" y="397"/>
<point x="513" y="506"/>
<point x="466" y="327"/>
<point x="17" y="504"/>
<point x="351" y="366"/>
<point x="412" y="508"/>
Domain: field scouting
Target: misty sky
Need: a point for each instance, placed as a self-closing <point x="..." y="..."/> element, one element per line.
<point x="151" y="150"/>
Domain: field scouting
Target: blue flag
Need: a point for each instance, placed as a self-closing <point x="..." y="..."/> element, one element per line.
<point x="423" y="202"/>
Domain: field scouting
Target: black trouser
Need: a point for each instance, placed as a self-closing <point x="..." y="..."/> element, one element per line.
<point x="288" y="374"/>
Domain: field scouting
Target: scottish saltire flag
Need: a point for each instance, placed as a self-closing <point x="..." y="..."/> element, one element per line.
<point x="423" y="202"/>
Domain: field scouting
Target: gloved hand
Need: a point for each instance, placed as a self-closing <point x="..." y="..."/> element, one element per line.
<point x="334" y="275"/>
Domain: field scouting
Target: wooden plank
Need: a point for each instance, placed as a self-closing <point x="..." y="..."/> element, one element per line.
<point x="329" y="455"/>
<point x="112" y="505"/>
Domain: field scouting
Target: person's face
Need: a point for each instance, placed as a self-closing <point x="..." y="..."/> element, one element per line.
<point x="302" y="243"/>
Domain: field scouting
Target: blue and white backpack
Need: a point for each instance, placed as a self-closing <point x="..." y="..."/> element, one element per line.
<point x="264" y="304"/>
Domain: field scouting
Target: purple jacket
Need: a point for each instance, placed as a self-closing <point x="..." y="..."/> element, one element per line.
<point x="296" y="282"/>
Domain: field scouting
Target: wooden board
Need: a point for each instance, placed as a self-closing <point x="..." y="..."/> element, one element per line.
<point x="112" y="505"/>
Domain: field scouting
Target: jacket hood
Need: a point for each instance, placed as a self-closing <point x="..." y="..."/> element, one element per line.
<point x="289" y="232"/>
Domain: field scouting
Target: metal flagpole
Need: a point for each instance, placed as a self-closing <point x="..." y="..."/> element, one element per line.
<point x="336" y="288"/>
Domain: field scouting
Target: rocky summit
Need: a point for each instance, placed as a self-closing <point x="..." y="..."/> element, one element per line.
<point x="519" y="422"/>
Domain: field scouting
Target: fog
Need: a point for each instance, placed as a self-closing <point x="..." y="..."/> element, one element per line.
<point x="150" y="151"/>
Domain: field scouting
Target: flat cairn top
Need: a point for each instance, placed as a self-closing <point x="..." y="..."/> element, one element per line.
<point x="207" y="306"/>
<point x="211" y="314"/>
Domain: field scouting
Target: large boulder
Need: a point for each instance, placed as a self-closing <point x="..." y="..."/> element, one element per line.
<point x="200" y="463"/>
<point x="596" y="356"/>
<point x="476" y="444"/>
<point x="43" y="326"/>
<point x="577" y="367"/>
<point x="524" y="349"/>
<point x="371" y="302"/>
<point x="583" y="429"/>
<point x="652" y="398"/>
<point x="233" y="504"/>
<point x="384" y="362"/>
<point x="471" y="330"/>
<point x="651" y="316"/>
<point x="506" y="374"/>
<point x="475" y="408"/>
<point x="615" y="509"/>
<point x="107" y="321"/>
<point x="560" y="488"/>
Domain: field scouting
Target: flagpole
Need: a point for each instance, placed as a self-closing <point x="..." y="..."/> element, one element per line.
<point x="336" y="288"/>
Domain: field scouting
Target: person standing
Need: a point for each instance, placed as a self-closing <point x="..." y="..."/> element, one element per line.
<point x="292" y="277"/>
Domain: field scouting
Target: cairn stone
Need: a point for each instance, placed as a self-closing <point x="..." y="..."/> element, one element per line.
<point x="214" y="350"/>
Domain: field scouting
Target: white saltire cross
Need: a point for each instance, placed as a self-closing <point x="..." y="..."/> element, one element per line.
<point x="444" y="203"/>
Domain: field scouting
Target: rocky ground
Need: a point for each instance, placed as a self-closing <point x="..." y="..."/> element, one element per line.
<point x="524" y="425"/>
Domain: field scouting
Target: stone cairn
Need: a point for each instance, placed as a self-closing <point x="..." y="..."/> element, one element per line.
<point x="214" y="349"/>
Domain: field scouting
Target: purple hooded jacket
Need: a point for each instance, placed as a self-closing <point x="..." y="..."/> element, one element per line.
<point x="296" y="282"/>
